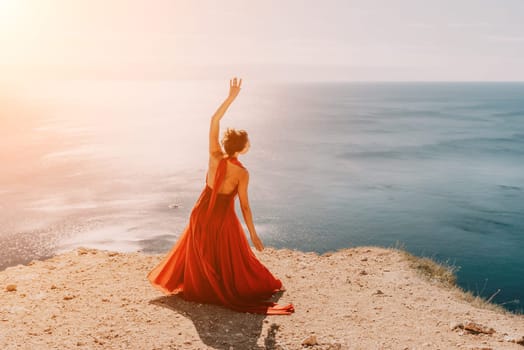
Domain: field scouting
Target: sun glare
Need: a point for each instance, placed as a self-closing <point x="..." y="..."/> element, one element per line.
<point x="9" y="11"/>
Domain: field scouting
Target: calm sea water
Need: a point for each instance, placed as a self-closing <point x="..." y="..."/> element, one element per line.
<point x="118" y="165"/>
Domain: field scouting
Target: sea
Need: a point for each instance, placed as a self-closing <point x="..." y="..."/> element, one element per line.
<point x="434" y="168"/>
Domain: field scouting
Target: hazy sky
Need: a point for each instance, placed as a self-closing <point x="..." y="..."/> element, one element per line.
<point x="269" y="39"/>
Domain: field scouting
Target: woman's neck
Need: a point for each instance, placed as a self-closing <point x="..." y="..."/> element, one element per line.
<point x="235" y="161"/>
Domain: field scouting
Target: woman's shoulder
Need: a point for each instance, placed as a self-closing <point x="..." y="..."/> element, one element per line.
<point x="241" y="170"/>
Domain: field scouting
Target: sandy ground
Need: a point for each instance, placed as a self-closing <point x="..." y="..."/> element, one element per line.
<point x="359" y="298"/>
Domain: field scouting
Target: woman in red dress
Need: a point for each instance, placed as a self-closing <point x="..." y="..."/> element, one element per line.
<point x="212" y="261"/>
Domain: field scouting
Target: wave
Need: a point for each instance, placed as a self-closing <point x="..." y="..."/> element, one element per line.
<point x="512" y="145"/>
<point x="509" y="114"/>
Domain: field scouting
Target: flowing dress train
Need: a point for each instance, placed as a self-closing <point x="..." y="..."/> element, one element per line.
<point x="212" y="261"/>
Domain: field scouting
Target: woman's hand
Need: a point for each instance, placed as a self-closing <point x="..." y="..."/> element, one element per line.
<point x="257" y="242"/>
<point x="234" y="88"/>
<point x="214" y="144"/>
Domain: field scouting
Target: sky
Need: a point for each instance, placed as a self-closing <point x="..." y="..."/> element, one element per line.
<point x="364" y="40"/>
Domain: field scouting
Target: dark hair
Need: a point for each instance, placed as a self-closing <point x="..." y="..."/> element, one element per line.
<point x="234" y="141"/>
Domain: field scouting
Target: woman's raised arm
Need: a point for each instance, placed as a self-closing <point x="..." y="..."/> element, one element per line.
<point x="214" y="144"/>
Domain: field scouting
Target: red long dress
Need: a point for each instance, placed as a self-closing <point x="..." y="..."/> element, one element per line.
<point x="212" y="261"/>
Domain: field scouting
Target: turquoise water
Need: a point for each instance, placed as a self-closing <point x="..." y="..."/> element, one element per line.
<point x="437" y="167"/>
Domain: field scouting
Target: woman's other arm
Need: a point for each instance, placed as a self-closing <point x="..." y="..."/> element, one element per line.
<point x="214" y="144"/>
<point x="246" y="210"/>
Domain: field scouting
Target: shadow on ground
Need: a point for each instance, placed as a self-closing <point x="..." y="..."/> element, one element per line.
<point x="222" y="328"/>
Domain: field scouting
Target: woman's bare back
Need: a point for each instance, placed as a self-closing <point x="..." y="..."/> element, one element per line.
<point x="231" y="179"/>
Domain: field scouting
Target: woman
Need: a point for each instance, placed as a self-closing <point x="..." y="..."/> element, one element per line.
<point x="212" y="261"/>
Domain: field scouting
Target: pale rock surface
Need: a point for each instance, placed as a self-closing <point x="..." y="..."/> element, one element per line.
<point x="92" y="299"/>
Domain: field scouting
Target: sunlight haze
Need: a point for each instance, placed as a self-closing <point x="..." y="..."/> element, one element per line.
<point x="275" y="40"/>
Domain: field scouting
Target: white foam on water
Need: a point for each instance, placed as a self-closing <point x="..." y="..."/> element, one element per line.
<point x="84" y="151"/>
<point x="64" y="204"/>
<point x="59" y="204"/>
<point x="115" y="237"/>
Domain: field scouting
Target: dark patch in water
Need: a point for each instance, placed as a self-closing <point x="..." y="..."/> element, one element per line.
<point x="481" y="225"/>
<point x="513" y="188"/>
<point x="157" y="244"/>
<point x="509" y="114"/>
